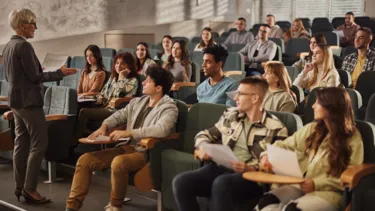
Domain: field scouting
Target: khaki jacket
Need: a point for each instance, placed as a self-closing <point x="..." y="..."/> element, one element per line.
<point x="280" y="100"/>
<point x="326" y="186"/>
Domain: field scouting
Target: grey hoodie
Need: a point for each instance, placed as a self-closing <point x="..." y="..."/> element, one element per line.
<point x="159" y="123"/>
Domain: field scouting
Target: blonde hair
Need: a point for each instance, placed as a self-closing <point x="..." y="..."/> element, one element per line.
<point x="16" y="17"/>
<point x="328" y="65"/>
<point x="280" y="71"/>
<point x="300" y="24"/>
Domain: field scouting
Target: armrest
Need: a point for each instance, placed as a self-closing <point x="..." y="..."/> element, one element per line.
<point x="53" y="117"/>
<point x="351" y="176"/>
<point x="149" y="143"/>
<point x="177" y="86"/>
<point x="3" y="98"/>
<point x="8" y="115"/>
<point x="116" y="102"/>
<point x="232" y="72"/>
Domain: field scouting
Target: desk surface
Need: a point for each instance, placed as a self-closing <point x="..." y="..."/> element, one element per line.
<point x="258" y="176"/>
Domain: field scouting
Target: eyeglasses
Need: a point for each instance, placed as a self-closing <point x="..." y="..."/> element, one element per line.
<point x="32" y="23"/>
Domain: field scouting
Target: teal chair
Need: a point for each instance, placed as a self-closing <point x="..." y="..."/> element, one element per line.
<point x="123" y="50"/>
<point x="235" y="61"/>
<point x="78" y="62"/>
<point x="108" y="52"/>
<point x="71" y="81"/>
<point x="107" y="61"/>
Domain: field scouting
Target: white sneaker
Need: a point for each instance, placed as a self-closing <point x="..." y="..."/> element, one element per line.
<point x="112" y="208"/>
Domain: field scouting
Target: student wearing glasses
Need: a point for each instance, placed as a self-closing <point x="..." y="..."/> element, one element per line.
<point x="258" y="51"/>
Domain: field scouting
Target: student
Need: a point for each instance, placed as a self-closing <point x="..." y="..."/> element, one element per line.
<point x="258" y="51"/>
<point x="276" y="31"/>
<point x="166" y="51"/>
<point x="298" y="30"/>
<point x="349" y="29"/>
<point x="241" y="36"/>
<point x="363" y="59"/>
<point x="152" y="115"/>
<point x="280" y="97"/>
<point x="215" y="87"/>
<point x="321" y="72"/>
<point x="142" y="58"/>
<point x="123" y="82"/>
<point x="324" y="149"/>
<point x="178" y="63"/>
<point x="246" y="129"/>
<point x="93" y="76"/>
<point x="206" y="39"/>
<point x="317" y="38"/>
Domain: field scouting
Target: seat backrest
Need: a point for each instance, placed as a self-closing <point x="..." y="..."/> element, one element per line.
<point x="367" y="131"/>
<point x="225" y="34"/>
<point x="78" y="62"/>
<point x="235" y="61"/>
<point x="356" y="99"/>
<point x="2" y="73"/>
<point x="195" y="73"/>
<point x="151" y="45"/>
<point x="347" y="50"/>
<point x="308" y="111"/>
<point x="60" y="100"/>
<point x="278" y="55"/>
<point x="284" y="24"/>
<point x="292" y="72"/>
<point x="201" y="116"/>
<point x="183" y="112"/>
<point x="197" y="57"/>
<point x="107" y="61"/>
<point x="123" y="50"/>
<point x="365" y="86"/>
<point x="291" y="121"/>
<point x="297" y="45"/>
<point x="108" y="52"/>
<point x="215" y="34"/>
<point x="345" y="78"/>
<point x="182" y="38"/>
<point x="278" y="42"/>
<point x="3" y="88"/>
<point x="338" y="21"/>
<point x="370" y="110"/>
<point x="196" y="40"/>
<point x="221" y="39"/>
<point x="153" y="52"/>
<point x="321" y="25"/>
<point x="332" y="38"/>
<point x="190" y="47"/>
<point x="71" y="81"/>
<point x="306" y="23"/>
<point x="235" y="47"/>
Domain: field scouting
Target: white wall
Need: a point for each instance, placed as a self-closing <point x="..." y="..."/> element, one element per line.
<point x="369" y="8"/>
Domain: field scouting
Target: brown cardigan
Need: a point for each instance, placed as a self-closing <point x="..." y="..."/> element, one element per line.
<point x="94" y="84"/>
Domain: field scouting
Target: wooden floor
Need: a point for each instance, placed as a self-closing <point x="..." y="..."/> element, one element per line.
<point x="97" y="198"/>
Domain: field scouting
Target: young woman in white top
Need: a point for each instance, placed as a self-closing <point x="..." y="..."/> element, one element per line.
<point x="179" y="63"/>
<point x="142" y="58"/>
<point x="321" y="72"/>
<point x="206" y="39"/>
<point x="167" y="49"/>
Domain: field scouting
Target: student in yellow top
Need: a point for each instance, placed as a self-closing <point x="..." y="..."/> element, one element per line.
<point x="324" y="149"/>
<point x="363" y="59"/>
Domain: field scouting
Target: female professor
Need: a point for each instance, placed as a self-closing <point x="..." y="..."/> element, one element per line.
<point x="25" y="97"/>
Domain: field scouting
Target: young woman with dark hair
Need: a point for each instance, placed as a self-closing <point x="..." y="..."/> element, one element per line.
<point x="93" y="76"/>
<point x="142" y="58"/>
<point x="324" y="149"/>
<point x="206" y="39"/>
<point x="178" y="62"/>
<point x="167" y="49"/>
<point x="124" y="81"/>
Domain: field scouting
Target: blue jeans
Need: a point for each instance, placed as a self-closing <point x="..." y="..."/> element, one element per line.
<point x="225" y="188"/>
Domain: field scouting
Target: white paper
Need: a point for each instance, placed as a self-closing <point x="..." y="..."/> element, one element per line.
<point x="231" y="94"/>
<point x="220" y="154"/>
<point x="53" y="62"/>
<point x="340" y="34"/>
<point x="80" y="100"/>
<point x="284" y="162"/>
<point x="102" y="138"/>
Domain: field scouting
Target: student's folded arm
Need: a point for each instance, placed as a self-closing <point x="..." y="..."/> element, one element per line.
<point x="163" y="128"/>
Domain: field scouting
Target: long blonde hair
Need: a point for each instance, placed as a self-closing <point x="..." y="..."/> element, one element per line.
<point x="280" y="71"/>
<point x="328" y="65"/>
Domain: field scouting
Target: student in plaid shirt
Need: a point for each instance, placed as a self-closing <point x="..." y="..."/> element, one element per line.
<point x="364" y="59"/>
<point x="246" y="129"/>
